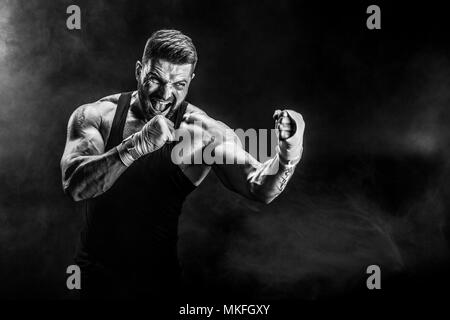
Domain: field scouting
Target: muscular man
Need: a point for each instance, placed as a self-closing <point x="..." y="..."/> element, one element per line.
<point x="118" y="159"/>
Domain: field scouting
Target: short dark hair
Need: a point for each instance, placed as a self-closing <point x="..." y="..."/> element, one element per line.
<point x="170" y="45"/>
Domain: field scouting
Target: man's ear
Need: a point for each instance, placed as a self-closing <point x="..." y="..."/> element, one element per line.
<point x="137" y="71"/>
<point x="193" y="76"/>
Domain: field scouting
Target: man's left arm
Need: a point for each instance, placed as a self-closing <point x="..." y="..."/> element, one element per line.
<point x="244" y="174"/>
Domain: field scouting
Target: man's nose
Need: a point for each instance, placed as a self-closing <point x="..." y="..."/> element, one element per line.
<point x="166" y="91"/>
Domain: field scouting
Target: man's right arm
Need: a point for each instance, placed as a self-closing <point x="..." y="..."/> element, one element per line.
<point x="88" y="171"/>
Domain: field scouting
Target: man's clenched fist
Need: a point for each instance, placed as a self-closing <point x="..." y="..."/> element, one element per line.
<point x="289" y="126"/>
<point x="150" y="138"/>
<point x="153" y="135"/>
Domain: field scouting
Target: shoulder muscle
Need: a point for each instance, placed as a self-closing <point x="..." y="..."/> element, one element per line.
<point x="194" y="109"/>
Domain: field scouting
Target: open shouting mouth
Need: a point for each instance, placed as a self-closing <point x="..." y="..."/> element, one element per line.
<point x="161" y="105"/>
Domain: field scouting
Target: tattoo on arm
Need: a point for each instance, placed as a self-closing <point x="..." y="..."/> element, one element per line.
<point x="81" y="117"/>
<point x="253" y="179"/>
<point x="83" y="140"/>
<point x="270" y="178"/>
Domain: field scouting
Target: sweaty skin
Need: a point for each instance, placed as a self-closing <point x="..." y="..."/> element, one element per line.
<point x="89" y="171"/>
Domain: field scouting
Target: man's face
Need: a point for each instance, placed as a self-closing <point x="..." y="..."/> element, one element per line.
<point x="162" y="86"/>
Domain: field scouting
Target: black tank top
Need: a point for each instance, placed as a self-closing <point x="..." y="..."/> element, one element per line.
<point x="130" y="231"/>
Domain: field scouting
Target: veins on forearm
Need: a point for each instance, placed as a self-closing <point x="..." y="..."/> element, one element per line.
<point x="93" y="175"/>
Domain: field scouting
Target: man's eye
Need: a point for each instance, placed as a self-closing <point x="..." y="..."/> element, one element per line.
<point x="152" y="81"/>
<point x="180" y="86"/>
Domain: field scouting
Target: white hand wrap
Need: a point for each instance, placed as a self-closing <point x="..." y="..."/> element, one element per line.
<point x="290" y="150"/>
<point x="153" y="136"/>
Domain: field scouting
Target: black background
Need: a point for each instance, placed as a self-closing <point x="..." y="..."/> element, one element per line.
<point x="371" y="188"/>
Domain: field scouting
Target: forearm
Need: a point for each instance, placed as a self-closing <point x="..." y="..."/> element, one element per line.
<point x="91" y="176"/>
<point x="269" y="179"/>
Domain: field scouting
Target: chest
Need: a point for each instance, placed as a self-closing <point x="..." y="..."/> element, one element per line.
<point x="132" y="125"/>
<point x="195" y="173"/>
